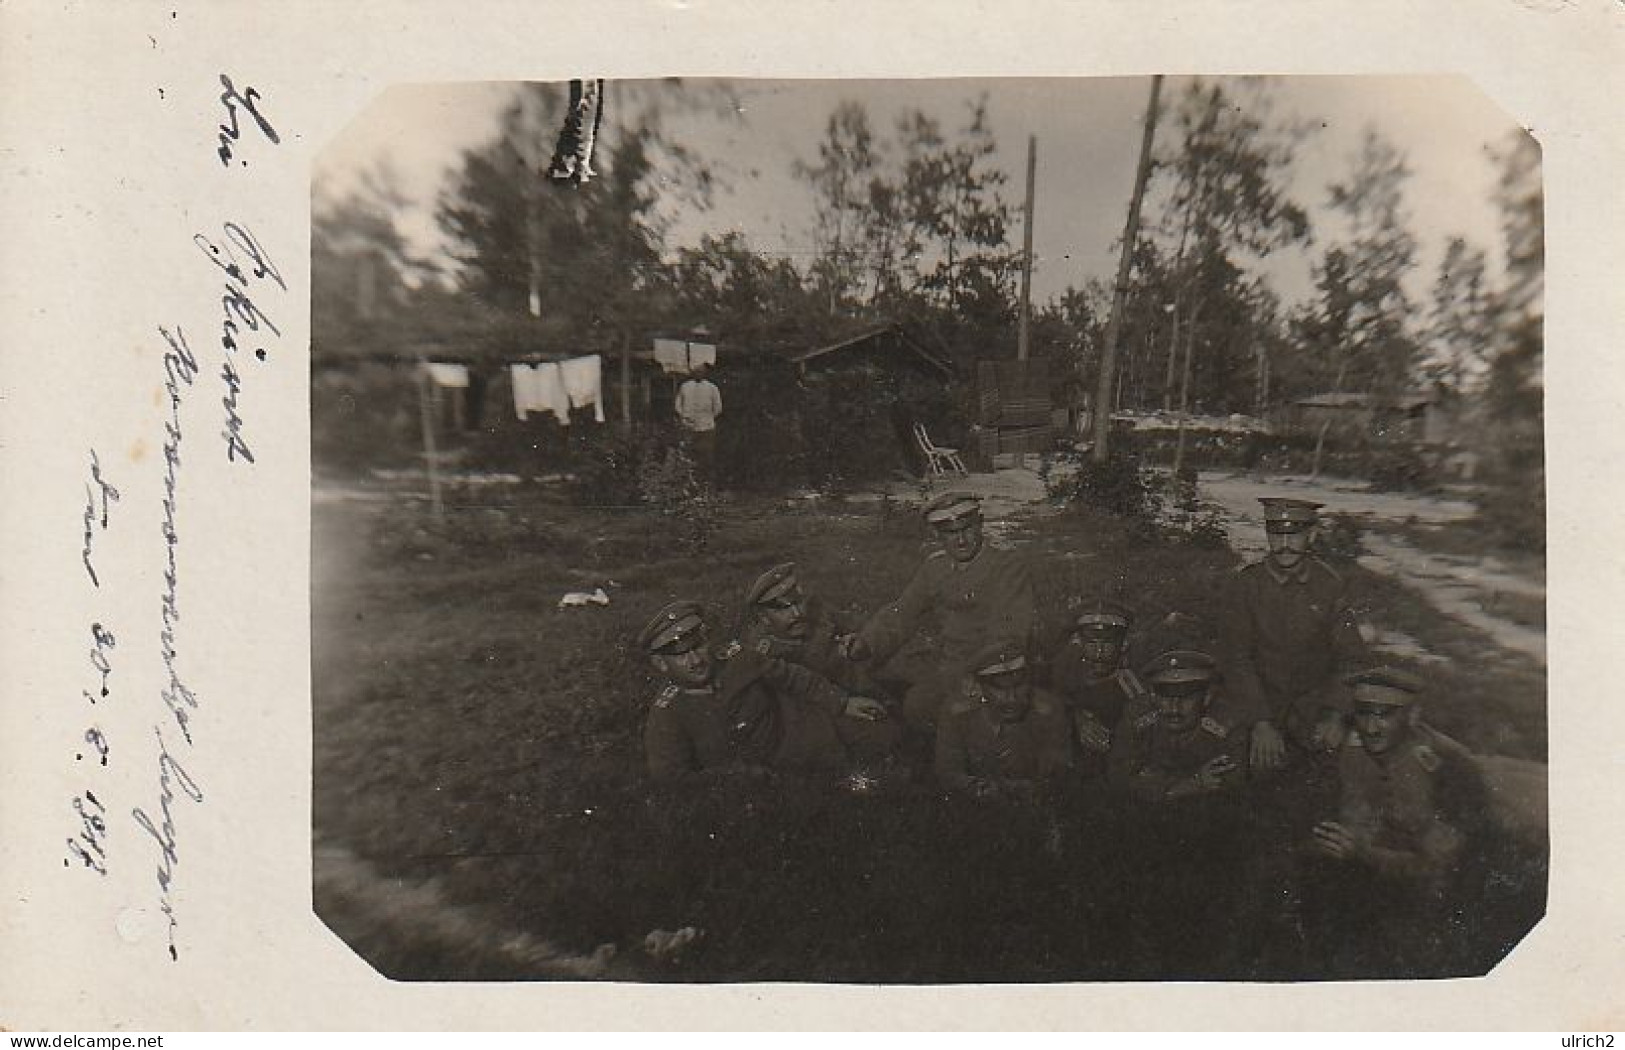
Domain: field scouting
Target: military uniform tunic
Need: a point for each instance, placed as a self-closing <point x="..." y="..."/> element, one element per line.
<point x="819" y="652"/>
<point x="1106" y="699"/>
<point x="1287" y="637"/>
<point x="1406" y="806"/>
<point x="1156" y="764"/>
<point x="984" y="599"/>
<point x="758" y="711"/>
<point x="973" y="745"/>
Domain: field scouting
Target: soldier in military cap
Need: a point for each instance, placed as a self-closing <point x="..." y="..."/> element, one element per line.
<point x="1400" y="778"/>
<point x="1001" y="735"/>
<point x="1381" y="898"/>
<point x="1089" y="674"/>
<point x="1186" y="743"/>
<point x="782" y="622"/>
<point x="1288" y="632"/>
<point x="724" y="706"/>
<point x="978" y="592"/>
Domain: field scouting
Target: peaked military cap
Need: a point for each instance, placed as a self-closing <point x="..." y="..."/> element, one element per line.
<point x="773" y="585"/>
<point x="1289" y="515"/>
<point x="676" y="628"/>
<point x="1385" y="686"/>
<point x="1001" y="657"/>
<point x="952" y="510"/>
<point x="1177" y="669"/>
<point x="1103" y="615"/>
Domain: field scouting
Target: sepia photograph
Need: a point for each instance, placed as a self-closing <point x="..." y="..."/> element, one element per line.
<point x="929" y="531"/>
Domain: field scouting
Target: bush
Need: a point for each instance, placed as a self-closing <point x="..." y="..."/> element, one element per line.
<point x="1400" y="468"/>
<point x="1121" y="485"/>
<point x="609" y="473"/>
<point x="667" y="482"/>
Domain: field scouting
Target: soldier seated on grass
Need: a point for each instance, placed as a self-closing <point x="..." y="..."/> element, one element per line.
<point x="978" y="592"/>
<point x="1088" y="673"/>
<point x="1190" y="741"/>
<point x="1408" y="793"/>
<point x="1001" y="736"/>
<point x="724" y="707"/>
<point x="780" y="621"/>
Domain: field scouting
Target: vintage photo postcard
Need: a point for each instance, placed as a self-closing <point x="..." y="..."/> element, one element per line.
<point x="692" y="516"/>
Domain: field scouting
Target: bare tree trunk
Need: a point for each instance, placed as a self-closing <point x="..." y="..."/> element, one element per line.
<point x="1185" y="390"/>
<point x="430" y="455"/>
<point x="1023" y="337"/>
<point x="1173" y="359"/>
<point x="1320" y="438"/>
<point x="1131" y="232"/>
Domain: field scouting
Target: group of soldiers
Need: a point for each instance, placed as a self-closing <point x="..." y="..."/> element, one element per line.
<point x="1285" y="691"/>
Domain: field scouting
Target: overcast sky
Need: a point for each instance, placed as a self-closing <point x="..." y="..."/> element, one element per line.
<point x="1088" y="132"/>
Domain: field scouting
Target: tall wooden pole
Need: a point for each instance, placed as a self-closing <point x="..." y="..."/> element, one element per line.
<point x="626" y="380"/>
<point x="532" y="151"/>
<point x="1114" y="327"/>
<point x="1023" y="339"/>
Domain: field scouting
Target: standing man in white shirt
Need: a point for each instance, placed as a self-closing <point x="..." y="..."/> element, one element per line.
<point x="699" y="403"/>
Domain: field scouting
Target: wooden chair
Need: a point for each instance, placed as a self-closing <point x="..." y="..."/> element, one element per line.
<point x="937" y="456"/>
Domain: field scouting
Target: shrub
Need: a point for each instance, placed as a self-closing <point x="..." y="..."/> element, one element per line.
<point x="667" y="482"/>
<point x="608" y="473"/>
<point x="1121" y="485"/>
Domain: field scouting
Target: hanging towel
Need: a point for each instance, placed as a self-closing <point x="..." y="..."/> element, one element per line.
<point x="524" y="389"/>
<point x="448" y="375"/>
<point x="539" y="388"/>
<point x="550" y="392"/>
<point x="583" y="383"/>
<point x="701" y="354"/>
<point x="672" y="356"/>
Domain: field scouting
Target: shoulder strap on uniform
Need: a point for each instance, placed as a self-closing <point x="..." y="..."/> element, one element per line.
<point x="729" y="650"/>
<point x="1215" y="727"/>
<point x="666" y="696"/>
<point x="1146" y="721"/>
<point x="1427" y="758"/>
<point x="934" y="555"/>
<point x="1131" y="685"/>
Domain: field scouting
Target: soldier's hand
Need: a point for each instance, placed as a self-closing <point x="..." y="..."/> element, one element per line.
<point x="1335" y="840"/>
<point x="1268" y="749"/>
<point x="1091" y="734"/>
<point x="1214" y="771"/>
<point x="865" y="708"/>
<point x="1328" y="732"/>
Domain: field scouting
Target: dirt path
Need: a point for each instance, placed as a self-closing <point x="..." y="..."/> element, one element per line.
<point x="1470" y="590"/>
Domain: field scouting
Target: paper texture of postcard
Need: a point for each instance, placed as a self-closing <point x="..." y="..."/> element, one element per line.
<point x="174" y="810"/>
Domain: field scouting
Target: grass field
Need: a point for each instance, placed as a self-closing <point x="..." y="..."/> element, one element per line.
<point x="480" y="810"/>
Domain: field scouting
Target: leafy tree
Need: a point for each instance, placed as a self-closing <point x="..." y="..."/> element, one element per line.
<point x="1221" y="198"/>
<point x="755" y="299"/>
<point x="954" y="217"/>
<point x="1460" y="331"/>
<point x="1361" y="321"/>
<point x="848" y="195"/>
<point x="1514" y="393"/>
